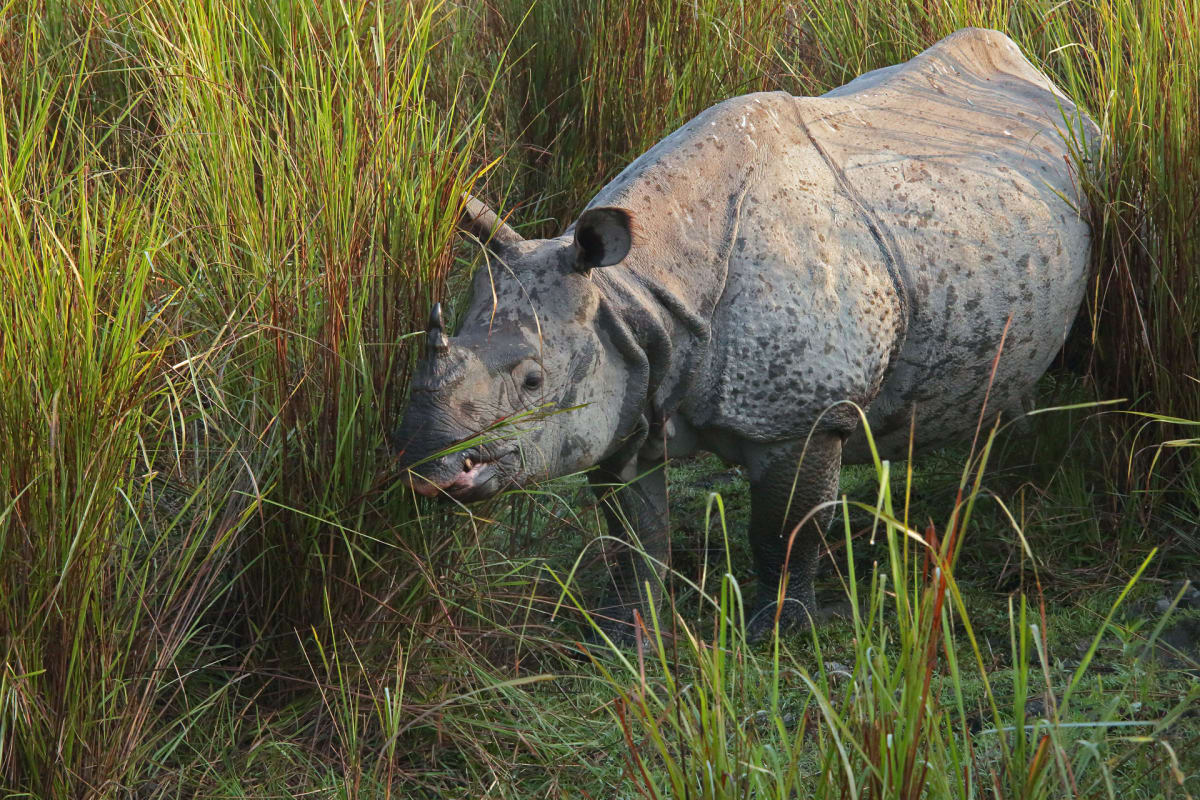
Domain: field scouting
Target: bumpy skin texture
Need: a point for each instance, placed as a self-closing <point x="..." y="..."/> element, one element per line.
<point x="788" y="254"/>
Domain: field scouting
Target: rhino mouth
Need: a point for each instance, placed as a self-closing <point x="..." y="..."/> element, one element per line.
<point x="467" y="476"/>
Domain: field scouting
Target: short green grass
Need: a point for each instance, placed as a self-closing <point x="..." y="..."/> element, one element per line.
<point x="221" y="226"/>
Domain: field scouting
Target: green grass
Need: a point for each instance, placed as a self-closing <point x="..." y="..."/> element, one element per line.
<point x="221" y="226"/>
<point x="915" y="710"/>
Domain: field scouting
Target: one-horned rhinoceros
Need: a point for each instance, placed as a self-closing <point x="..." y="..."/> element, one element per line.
<point x="736" y="284"/>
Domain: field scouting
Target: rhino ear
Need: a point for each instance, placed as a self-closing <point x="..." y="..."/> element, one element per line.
<point x="485" y="225"/>
<point x="603" y="237"/>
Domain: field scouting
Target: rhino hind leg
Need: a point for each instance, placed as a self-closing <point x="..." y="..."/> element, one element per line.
<point x="635" y="506"/>
<point x="788" y="480"/>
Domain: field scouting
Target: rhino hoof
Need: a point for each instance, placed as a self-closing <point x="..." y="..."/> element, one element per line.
<point x="794" y="617"/>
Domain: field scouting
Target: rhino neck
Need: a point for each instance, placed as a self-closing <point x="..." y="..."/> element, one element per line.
<point x="686" y="197"/>
<point x="657" y="307"/>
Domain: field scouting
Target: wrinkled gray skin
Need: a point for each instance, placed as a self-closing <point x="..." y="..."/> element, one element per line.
<point x="729" y="289"/>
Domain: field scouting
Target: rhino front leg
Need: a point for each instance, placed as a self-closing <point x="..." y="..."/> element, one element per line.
<point x="635" y="506"/>
<point x="788" y="480"/>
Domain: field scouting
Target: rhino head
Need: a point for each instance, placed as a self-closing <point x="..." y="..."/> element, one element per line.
<point x="532" y="386"/>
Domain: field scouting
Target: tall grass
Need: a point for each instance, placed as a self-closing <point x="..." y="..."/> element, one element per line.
<point x="314" y="172"/>
<point x="220" y="223"/>
<point x="101" y="588"/>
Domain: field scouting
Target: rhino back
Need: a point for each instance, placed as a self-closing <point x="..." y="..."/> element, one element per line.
<point x="867" y="245"/>
<point x="962" y="154"/>
<point x="810" y="314"/>
<point x="888" y="237"/>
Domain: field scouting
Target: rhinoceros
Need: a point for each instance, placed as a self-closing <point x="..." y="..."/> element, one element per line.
<point x="748" y="282"/>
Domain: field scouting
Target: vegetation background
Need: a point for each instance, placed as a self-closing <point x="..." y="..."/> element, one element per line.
<point x="221" y="225"/>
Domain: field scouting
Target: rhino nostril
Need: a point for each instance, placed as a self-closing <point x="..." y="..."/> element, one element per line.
<point x="467" y="464"/>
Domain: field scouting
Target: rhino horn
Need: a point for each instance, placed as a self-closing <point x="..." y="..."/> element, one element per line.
<point x="435" y="335"/>
<point x="485" y="225"/>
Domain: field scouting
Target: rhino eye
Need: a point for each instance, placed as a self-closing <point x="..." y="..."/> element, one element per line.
<point x="533" y="381"/>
